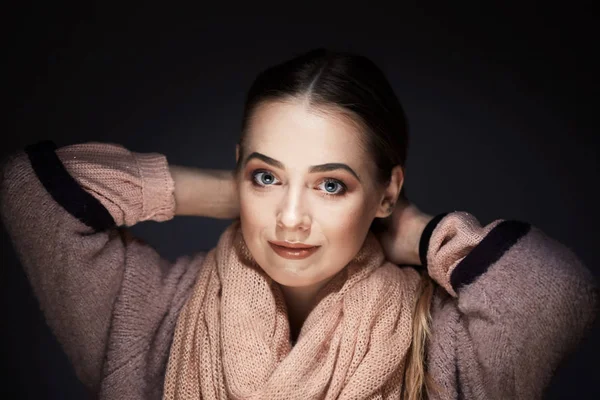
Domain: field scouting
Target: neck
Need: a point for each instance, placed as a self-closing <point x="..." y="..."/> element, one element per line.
<point x="300" y="301"/>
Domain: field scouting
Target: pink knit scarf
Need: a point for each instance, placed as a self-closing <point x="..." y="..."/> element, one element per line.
<point x="232" y="339"/>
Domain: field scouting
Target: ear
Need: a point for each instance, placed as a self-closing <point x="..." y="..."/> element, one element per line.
<point x="389" y="198"/>
<point x="237" y="153"/>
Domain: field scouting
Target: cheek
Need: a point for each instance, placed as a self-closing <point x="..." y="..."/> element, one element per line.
<point x="343" y="222"/>
<point x="257" y="225"/>
<point x="256" y="212"/>
<point x="346" y="223"/>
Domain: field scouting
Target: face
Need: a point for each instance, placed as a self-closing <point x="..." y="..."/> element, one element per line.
<point x="305" y="180"/>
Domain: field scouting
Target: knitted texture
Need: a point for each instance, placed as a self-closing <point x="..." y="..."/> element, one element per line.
<point x="132" y="186"/>
<point x="453" y="241"/>
<point x="232" y="336"/>
<point x="112" y="302"/>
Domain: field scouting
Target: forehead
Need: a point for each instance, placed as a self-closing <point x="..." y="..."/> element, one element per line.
<point x="300" y="136"/>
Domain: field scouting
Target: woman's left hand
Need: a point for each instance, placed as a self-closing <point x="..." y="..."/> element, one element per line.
<point x="402" y="232"/>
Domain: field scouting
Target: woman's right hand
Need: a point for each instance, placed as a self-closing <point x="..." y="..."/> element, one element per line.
<point x="205" y="193"/>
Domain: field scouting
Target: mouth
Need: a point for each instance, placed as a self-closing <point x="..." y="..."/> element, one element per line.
<point x="293" y="251"/>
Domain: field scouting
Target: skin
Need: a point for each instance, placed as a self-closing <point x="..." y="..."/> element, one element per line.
<point x="282" y="200"/>
<point x="213" y="194"/>
<point x="296" y="207"/>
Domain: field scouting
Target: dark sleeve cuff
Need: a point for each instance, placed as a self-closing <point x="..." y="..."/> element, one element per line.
<point x="64" y="189"/>
<point x="488" y="251"/>
<point x="426" y="237"/>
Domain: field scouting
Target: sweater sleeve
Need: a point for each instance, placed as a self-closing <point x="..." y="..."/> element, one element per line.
<point x="521" y="302"/>
<point x="64" y="210"/>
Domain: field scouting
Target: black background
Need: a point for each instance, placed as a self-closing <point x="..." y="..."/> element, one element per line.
<point x="501" y="100"/>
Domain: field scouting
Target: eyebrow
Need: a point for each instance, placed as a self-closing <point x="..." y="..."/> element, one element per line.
<point x="315" y="168"/>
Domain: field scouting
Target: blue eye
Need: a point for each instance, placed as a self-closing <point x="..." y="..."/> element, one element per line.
<point x="263" y="178"/>
<point x="333" y="187"/>
<point x="329" y="187"/>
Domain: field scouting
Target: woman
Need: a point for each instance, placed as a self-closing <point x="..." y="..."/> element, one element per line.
<point x="298" y="299"/>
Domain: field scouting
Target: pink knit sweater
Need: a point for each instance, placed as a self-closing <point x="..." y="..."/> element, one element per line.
<point x="511" y="304"/>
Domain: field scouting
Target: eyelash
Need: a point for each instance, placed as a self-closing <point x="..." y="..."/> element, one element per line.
<point x="340" y="193"/>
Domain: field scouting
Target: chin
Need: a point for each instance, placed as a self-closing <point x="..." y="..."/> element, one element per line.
<point x="288" y="277"/>
<point x="290" y="273"/>
<point x="304" y="282"/>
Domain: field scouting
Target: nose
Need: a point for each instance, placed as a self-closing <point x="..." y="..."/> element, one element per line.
<point x="293" y="214"/>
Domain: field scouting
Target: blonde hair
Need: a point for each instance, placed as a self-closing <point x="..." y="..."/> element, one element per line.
<point x="418" y="383"/>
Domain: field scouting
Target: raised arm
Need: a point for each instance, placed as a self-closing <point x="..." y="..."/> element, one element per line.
<point x="65" y="210"/>
<point x="515" y="303"/>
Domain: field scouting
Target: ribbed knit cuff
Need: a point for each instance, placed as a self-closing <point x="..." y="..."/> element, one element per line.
<point x="64" y="189"/>
<point x="158" y="187"/>
<point x="493" y="246"/>
<point x="460" y="249"/>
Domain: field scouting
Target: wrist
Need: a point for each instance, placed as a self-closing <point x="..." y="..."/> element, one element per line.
<point x="205" y="193"/>
<point x="231" y="206"/>
<point x="417" y="230"/>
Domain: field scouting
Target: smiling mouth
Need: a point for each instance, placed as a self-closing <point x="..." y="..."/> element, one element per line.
<point x="297" y="252"/>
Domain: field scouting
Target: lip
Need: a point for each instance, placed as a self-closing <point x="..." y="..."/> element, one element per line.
<point x="293" y="251"/>
<point x="292" y="245"/>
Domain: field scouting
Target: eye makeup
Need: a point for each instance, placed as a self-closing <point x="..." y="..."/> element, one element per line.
<point x="329" y="187"/>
